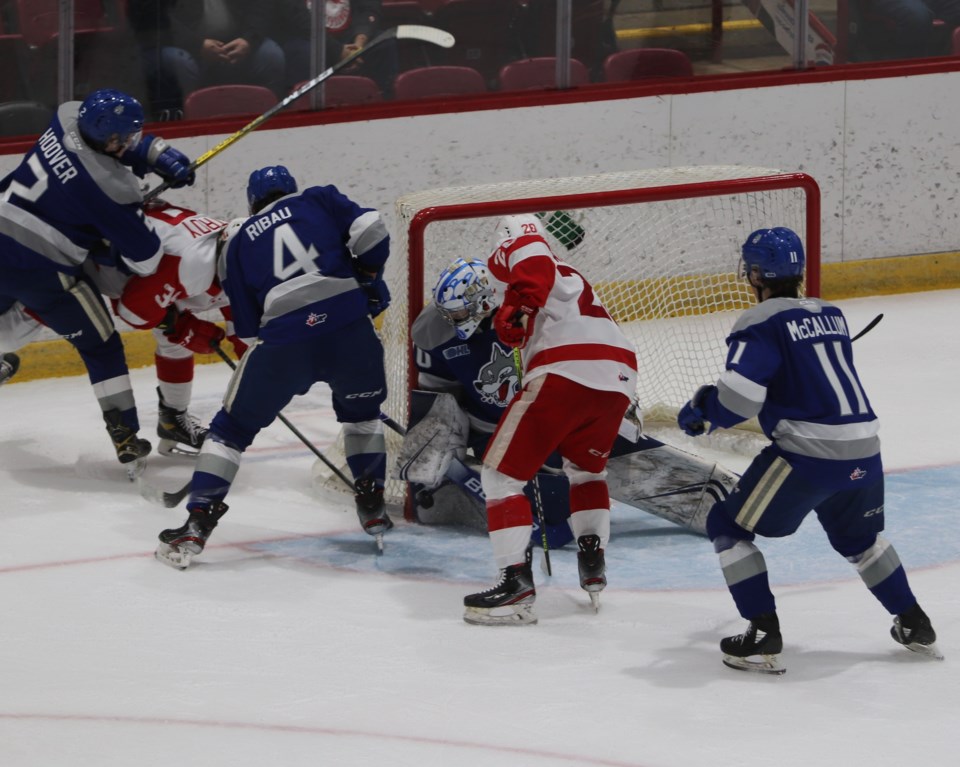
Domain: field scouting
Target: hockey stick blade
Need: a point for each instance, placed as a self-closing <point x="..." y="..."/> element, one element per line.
<point x="427" y="34"/>
<point x="169" y="500"/>
<point x="870" y="326"/>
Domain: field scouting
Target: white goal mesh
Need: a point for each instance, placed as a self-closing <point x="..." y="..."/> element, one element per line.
<point x="661" y="248"/>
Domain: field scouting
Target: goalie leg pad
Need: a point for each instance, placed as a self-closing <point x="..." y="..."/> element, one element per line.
<point x="669" y="483"/>
<point x="433" y="441"/>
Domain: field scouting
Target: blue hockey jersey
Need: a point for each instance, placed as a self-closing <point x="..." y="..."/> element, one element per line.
<point x="790" y="363"/>
<point x="289" y="271"/>
<point x="480" y="371"/>
<point x="64" y="199"/>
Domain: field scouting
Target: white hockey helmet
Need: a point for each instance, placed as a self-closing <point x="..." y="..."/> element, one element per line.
<point x="464" y="295"/>
<point x="514" y="226"/>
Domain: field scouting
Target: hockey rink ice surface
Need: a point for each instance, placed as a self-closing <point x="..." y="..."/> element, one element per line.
<point x="289" y="643"/>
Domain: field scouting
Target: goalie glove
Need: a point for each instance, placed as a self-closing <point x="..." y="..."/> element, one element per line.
<point x="514" y="320"/>
<point x="189" y="331"/>
<point x="691" y="418"/>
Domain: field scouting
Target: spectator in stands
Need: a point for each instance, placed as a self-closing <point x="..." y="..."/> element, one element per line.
<point x="189" y="45"/>
<point x="291" y="26"/>
<point x="904" y="29"/>
<point x="350" y="25"/>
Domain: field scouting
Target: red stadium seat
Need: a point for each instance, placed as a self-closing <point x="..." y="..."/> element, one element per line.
<point x="592" y="33"/>
<point x="339" y="91"/>
<point x="437" y="82"/>
<point x="645" y="63"/>
<point x="539" y="73"/>
<point x="227" y="101"/>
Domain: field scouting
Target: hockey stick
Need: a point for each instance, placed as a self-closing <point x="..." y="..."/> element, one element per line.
<point x="402" y="32"/>
<point x="171" y="499"/>
<point x="537" y="502"/>
<point x="330" y="465"/>
<point x="870" y="326"/>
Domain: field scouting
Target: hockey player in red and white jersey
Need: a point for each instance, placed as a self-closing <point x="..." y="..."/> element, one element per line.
<point x="169" y="302"/>
<point x="579" y="375"/>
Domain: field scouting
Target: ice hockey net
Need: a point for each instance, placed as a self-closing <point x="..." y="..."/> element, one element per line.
<point x="660" y="246"/>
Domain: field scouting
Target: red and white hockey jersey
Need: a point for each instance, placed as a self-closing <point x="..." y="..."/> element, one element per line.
<point x="573" y="334"/>
<point x="187" y="272"/>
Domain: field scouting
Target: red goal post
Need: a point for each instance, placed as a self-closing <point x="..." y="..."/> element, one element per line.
<point x="660" y="246"/>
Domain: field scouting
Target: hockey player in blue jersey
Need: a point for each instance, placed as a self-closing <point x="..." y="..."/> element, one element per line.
<point x="466" y="379"/>
<point x="790" y="363"/>
<point x="304" y="278"/>
<point x="71" y="195"/>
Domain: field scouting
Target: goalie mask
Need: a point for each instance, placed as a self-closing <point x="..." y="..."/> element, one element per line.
<point x="464" y="296"/>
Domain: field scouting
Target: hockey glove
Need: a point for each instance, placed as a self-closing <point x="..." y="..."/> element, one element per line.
<point x="691" y="417"/>
<point x="192" y="333"/>
<point x="155" y="154"/>
<point x="514" y="319"/>
<point x="378" y="294"/>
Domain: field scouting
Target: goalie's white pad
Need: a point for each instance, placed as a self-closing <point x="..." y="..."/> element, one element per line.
<point x="669" y="483"/>
<point x="433" y="442"/>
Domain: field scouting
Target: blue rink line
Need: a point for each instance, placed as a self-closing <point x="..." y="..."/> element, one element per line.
<point x="647" y="553"/>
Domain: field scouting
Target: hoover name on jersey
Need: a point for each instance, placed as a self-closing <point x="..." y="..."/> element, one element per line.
<point x="812" y="327"/>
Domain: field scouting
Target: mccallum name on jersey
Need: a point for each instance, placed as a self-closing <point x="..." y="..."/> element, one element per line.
<point x="811" y="327"/>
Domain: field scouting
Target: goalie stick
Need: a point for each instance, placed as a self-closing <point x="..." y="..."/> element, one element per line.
<point x="403" y="32"/>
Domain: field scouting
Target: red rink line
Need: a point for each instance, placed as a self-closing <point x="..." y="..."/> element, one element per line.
<point x="306" y="730"/>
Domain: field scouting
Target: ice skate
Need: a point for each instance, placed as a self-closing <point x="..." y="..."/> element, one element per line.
<point x="180" y="432"/>
<point x="372" y="511"/>
<point x="132" y="451"/>
<point x="762" y="638"/>
<point x="9" y="365"/>
<point x="509" y="602"/>
<point x="592" y="566"/>
<point x="914" y="631"/>
<point x="178" y="546"/>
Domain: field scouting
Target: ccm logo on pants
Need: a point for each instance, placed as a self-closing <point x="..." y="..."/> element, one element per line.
<point x="364" y="394"/>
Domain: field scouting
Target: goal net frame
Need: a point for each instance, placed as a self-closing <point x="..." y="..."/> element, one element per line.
<point x="416" y="212"/>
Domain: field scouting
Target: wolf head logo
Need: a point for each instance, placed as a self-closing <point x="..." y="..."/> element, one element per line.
<point x="497" y="382"/>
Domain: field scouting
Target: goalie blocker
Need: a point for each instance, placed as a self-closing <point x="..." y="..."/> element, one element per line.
<point x="642" y="472"/>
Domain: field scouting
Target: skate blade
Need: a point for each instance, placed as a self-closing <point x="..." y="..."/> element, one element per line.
<point x="378" y="540"/>
<point x="928" y="650"/>
<point x="517" y="615"/>
<point x="769" y="664"/>
<point x="171" y="447"/>
<point x="135" y="468"/>
<point x="177" y="557"/>
<point x="595" y="600"/>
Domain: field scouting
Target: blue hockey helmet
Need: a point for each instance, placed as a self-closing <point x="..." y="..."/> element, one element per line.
<point x="775" y="253"/>
<point x="110" y="114"/>
<point x="464" y="295"/>
<point x="274" y="180"/>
